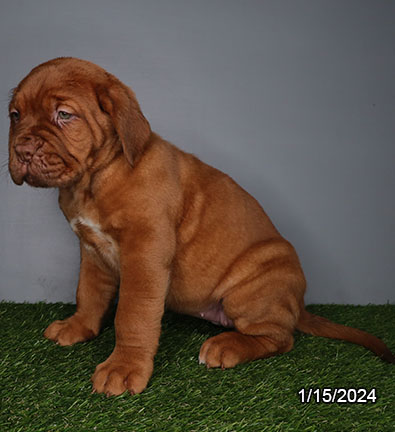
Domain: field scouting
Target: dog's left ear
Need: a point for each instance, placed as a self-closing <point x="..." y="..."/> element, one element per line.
<point x="120" y="103"/>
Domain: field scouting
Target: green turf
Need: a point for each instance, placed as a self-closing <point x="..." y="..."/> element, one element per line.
<point x="45" y="387"/>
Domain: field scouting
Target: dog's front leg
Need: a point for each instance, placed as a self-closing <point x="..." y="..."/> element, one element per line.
<point x="97" y="286"/>
<point x="145" y="271"/>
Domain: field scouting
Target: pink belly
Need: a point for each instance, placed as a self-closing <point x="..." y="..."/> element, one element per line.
<point x="215" y="314"/>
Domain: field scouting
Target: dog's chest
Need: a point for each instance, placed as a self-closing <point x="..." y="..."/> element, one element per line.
<point x="96" y="241"/>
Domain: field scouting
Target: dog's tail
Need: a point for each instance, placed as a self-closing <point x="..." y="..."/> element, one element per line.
<point x="319" y="326"/>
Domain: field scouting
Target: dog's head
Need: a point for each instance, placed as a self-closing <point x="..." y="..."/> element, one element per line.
<point x="68" y="117"/>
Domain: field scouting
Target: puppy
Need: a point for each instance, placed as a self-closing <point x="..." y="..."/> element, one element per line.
<point x="164" y="227"/>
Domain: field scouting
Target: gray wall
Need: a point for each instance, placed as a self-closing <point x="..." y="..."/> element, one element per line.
<point x="294" y="99"/>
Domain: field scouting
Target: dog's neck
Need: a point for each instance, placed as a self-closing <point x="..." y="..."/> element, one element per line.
<point x="103" y="180"/>
<point x="97" y="182"/>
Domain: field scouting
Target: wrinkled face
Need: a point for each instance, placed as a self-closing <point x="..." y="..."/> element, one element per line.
<point x="62" y="116"/>
<point x="55" y="126"/>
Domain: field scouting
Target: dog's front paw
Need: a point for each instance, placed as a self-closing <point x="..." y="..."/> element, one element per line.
<point x="121" y="372"/>
<point x="68" y="332"/>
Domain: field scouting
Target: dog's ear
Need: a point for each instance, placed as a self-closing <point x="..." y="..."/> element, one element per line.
<point x="120" y="103"/>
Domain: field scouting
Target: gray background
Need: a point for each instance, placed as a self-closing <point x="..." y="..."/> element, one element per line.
<point x="294" y="99"/>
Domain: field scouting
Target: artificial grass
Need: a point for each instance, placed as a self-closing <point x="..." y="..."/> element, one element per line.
<point x="45" y="387"/>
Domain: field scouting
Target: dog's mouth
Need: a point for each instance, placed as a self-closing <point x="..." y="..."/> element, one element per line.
<point x="18" y="172"/>
<point x="41" y="170"/>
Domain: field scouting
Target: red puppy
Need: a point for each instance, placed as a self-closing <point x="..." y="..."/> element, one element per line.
<point x="166" y="228"/>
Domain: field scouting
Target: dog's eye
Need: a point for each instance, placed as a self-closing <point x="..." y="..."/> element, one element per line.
<point x="63" y="115"/>
<point x="14" y="115"/>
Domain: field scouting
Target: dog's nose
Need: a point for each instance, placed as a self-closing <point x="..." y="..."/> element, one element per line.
<point x="25" y="151"/>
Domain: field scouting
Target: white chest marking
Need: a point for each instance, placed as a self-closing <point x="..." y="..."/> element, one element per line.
<point x="96" y="241"/>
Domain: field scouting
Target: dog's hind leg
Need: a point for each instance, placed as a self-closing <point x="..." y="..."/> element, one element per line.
<point x="262" y="293"/>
